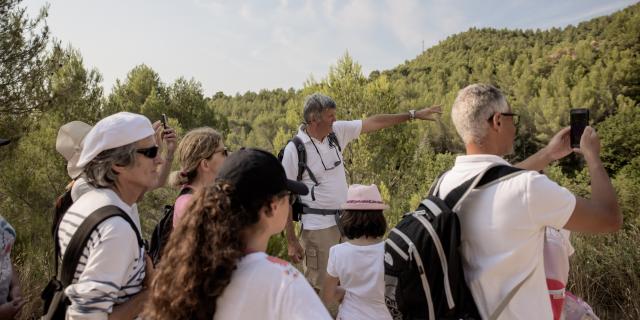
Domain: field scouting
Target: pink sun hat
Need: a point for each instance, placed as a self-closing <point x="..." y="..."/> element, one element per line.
<point x="361" y="197"/>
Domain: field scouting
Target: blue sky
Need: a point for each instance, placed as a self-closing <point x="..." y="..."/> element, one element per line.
<point x="236" y="46"/>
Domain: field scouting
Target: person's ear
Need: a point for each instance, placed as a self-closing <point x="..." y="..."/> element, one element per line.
<point x="273" y="206"/>
<point x="117" y="168"/>
<point x="495" y="121"/>
<point x="204" y="164"/>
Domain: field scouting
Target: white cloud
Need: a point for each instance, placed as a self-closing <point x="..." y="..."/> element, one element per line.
<point x="239" y="45"/>
<point x="354" y="16"/>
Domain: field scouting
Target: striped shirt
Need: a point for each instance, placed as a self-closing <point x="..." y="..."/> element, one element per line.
<point x="112" y="267"/>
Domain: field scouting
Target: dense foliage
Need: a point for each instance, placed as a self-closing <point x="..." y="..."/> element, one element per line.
<point x="594" y="65"/>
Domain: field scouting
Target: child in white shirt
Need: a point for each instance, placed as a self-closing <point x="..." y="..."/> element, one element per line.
<point x="355" y="270"/>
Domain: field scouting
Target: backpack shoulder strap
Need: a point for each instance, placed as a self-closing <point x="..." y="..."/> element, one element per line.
<point x="505" y="302"/>
<point x="435" y="186"/>
<point x="333" y="139"/>
<point x="488" y="176"/>
<point x="62" y="204"/>
<point x="185" y="190"/>
<point x="302" y="164"/>
<point x="302" y="156"/>
<point x="81" y="236"/>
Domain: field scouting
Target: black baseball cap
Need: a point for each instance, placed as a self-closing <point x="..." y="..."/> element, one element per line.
<point x="257" y="173"/>
<point x="4" y="142"/>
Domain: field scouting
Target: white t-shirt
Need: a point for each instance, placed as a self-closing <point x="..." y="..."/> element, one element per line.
<point x="332" y="191"/>
<point x="361" y="273"/>
<point x="267" y="288"/>
<point x="502" y="234"/>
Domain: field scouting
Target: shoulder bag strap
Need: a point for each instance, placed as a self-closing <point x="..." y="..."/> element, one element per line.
<point x="81" y="236"/>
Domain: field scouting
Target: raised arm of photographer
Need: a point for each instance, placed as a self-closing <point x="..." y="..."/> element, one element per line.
<point x="601" y="213"/>
<point x="381" y="121"/>
<point x="559" y="147"/>
<point x="167" y="138"/>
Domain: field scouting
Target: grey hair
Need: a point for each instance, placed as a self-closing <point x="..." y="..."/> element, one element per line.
<point x="473" y="107"/>
<point x="99" y="172"/>
<point x="314" y="105"/>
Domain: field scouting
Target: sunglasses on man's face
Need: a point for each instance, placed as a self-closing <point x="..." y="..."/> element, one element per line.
<point x="150" y="152"/>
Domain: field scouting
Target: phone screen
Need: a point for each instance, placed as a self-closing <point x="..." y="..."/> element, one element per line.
<point x="164" y="121"/>
<point x="579" y="119"/>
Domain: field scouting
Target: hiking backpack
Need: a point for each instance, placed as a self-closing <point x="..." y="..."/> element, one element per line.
<point x="424" y="278"/>
<point x="53" y="296"/>
<point x="163" y="230"/>
<point x="62" y="204"/>
<point x="297" y="206"/>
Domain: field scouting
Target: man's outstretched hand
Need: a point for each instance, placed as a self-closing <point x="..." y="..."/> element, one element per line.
<point x="429" y="113"/>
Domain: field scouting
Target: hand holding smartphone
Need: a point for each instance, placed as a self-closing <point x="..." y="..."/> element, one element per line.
<point x="579" y="119"/>
<point x="164" y="121"/>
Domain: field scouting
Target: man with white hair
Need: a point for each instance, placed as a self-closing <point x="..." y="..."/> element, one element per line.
<point x="120" y="161"/>
<point x="503" y="224"/>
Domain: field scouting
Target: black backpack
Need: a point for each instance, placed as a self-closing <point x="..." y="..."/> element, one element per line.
<point x="163" y="229"/>
<point x="53" y="296"/>
<point x="302" y="166"/>
<point x="62" y="204"/>
<point x="424" y="278"/>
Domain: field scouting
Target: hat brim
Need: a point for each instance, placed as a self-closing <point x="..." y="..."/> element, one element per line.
<point x="297" y="187"/>
<point x="4" y="142"/>
<point x="364" y="206"/>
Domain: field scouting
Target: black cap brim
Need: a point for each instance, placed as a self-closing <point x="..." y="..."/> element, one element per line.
<point x="4" y="142"/>
<point x="297" y="187"/>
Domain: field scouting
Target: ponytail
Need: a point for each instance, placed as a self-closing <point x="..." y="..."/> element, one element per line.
<point x="180" y="178"/>
<point x="197" y="145"/>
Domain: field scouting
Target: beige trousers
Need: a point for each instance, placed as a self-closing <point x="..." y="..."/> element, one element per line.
<point x="316" y="244"/>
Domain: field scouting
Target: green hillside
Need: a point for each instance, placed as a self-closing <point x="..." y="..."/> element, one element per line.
<point x="544" y="73"/>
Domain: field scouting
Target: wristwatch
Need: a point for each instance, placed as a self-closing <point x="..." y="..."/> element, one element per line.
<point x="412" y="114"/>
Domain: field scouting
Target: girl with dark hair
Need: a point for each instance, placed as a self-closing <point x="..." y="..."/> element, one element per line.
<point x="355" y="270"/>
<point x="215" y="267"/>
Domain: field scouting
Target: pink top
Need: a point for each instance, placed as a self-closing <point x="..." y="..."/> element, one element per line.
<point x="180" y="207"/>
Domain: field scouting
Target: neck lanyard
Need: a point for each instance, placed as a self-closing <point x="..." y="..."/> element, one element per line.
<point x="335" y="164"/>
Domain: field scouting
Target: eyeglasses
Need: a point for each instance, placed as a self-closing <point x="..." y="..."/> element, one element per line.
<point x="150" y="152"/>
<point x="515" y="117"/>
<point x="225" y="152"/>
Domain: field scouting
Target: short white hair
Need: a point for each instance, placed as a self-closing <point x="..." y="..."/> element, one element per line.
<point x="473" y="107"/>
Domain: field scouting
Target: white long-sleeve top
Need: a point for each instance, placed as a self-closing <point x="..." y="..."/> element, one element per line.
<point x="112" y="267"/>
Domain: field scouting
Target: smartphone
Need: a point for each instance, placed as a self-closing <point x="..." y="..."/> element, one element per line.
<point x="164" y="121"/>
<point x="579" y="119"/>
